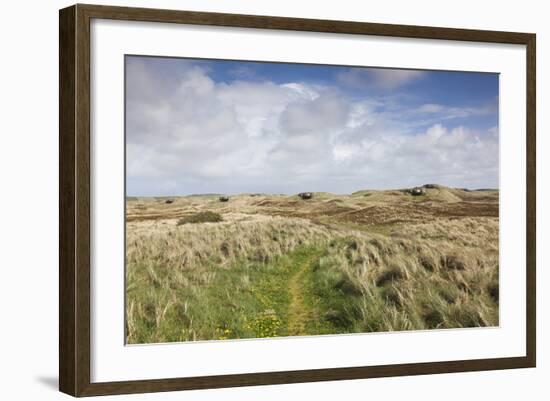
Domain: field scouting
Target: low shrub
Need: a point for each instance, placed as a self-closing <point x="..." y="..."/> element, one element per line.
<point x="201" y="217"/>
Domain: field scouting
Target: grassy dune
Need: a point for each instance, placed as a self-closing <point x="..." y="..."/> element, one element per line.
<point x="264" y="266"/>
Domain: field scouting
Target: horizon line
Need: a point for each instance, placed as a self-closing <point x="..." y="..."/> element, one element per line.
<point x="437" y="186"/>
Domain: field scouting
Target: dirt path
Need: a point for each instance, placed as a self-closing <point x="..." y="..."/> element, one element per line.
<point x="298" y="313"/>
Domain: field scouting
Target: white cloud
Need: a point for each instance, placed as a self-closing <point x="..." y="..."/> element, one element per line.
<point x="447" y="113"/>
<point x="189" y="134"/>
<point x="378" y="78"/>
<point x="431" y="108"/>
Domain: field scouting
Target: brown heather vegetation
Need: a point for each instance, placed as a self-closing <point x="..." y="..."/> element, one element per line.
<point x="263" y="266"/>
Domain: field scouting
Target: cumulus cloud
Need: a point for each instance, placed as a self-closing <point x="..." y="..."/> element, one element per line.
<point x="187" y="133"/>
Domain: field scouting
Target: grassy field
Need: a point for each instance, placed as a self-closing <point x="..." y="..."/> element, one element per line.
<point x="275" y="265"/>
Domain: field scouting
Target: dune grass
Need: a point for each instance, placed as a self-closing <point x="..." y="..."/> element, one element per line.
<point x="265" y="276"/>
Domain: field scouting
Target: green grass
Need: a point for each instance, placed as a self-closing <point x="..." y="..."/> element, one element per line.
<point x="260" y="276"/>
<point x="312" y="290"/>
<point x="248" y="300"/>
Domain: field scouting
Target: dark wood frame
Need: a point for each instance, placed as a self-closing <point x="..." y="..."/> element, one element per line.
<point x="74" y="199"/>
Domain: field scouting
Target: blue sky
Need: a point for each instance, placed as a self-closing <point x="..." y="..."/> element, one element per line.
<point x="213" y="126"/>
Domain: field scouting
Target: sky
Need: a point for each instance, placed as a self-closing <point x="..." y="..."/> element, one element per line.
<point x="214" y="126"/>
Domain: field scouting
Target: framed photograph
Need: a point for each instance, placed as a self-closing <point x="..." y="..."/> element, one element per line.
<point x="250" y="200"/>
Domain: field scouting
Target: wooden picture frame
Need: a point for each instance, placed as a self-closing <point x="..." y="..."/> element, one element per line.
<point x="74" y="200"/>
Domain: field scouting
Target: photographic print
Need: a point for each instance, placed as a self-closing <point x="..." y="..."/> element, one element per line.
<point x="272" y="199"/>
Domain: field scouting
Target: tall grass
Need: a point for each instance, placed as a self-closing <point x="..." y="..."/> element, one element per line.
<point x="230" y="279"/>
<point x="376" y="283"/>
<point x="196" y="281"/>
